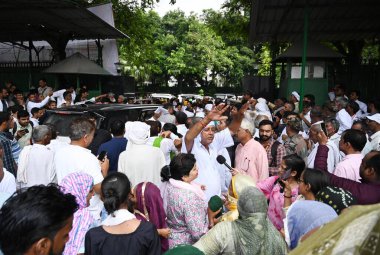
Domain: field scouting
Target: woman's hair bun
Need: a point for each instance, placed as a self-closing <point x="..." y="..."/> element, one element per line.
<point x="165" y="173"/>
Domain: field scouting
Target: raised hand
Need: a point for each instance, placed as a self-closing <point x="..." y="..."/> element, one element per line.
<point x="322" y="138"/>
<point x="217" y="113"/>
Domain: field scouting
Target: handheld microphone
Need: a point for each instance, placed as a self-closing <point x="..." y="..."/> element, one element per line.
<point x="222" y="160"/>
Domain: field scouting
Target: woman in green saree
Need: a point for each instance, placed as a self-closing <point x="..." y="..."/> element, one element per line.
<point x="252" y="233"/>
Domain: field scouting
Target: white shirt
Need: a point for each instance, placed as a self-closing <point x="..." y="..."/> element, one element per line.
<point x="182" y="129"/>
<point x="8" y="183"/>
<point x="30" y="105"/>
<point x="333" y="156"/>
<point x="208" y="167"/>
<point x="167" y="118"/>
<point x="375" y="141"/>
<point x="56" y="145"/>
<point x="73" y="158"/>
<point x="61" y="100"/>
<point x="308" y="118"/>
<point x="344" y="119"/>
<point x="224" y="172"/>
<point x="39" y="166"/>
<point x="335" y="138"/>
<point x="1" y="105"/>
<point x="142" y="163"/>
<point x="166" y="146"/>
<point x="35" y="122"/>
<point x="362" y="106"/>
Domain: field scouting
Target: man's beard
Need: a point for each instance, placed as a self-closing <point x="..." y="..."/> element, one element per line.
<point x="264" y="138"/>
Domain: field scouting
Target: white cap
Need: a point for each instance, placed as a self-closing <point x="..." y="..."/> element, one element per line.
<point x="375" y="117"/>
<point x="296" y="95"/>
<point x="249" y="125"/>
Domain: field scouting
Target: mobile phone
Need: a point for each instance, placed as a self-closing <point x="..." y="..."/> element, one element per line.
<point x="26" y="131"/>
<point x="323" y="127"/>
<point x="102" y="155"/>
<point x="286" y="175"/>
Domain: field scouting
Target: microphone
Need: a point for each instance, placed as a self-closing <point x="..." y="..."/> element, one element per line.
<point x="222" y="160"/>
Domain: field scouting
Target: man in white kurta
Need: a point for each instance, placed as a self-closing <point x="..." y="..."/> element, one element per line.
<point x="7" y="180"/>
<point x="140" y="162"/>
<point x="36" y="161"/>
<point x="203" y="141"/>
<point x="333" y="157"/>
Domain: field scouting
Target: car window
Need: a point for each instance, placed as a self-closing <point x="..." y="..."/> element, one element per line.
<point x="61" y="122"/>
<point x="146" y="114"/>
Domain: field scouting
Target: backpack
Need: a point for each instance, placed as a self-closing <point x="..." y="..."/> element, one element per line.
<point x="273" y="152"/>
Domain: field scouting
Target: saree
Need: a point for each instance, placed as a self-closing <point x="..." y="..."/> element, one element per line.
<point x="306" y="215"/>
<point x="355" y="231"/>
<point x="150" y="204"/>
<point x="238" y="183"/>
<point x="253" y="232"/>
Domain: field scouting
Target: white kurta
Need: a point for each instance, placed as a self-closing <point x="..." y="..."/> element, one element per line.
<point x="142" y="163"/>
<point x="333" y="157"/>
<point x="166" y="146"/>
<point x="208" y="167"/>
<point x="8" y="183"/>
<point x="344" y="119"/>
<point x="39" y="167"/>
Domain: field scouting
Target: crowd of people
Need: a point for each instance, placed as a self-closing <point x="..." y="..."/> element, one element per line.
<point x="198" y="177"/>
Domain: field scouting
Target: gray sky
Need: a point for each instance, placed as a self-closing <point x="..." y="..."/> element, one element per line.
<point x="187" y="6"/>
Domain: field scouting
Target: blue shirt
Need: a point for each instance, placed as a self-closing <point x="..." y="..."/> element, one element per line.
<point x="113" y="147"/>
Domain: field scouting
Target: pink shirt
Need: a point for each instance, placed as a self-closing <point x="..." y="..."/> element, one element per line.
<point x="276" y="200"/>
<point x="349" y="167"/>
<point x="251" y="159"/>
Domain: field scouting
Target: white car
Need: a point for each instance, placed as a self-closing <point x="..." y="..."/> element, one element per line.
<point x="162" y="95"/>
<point x="185" y="96"/>
<point x="225" y="96"/>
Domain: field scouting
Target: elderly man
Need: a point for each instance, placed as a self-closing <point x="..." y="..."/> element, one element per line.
<point x="140" y="162"/>
<point x="251" y="157"/>
<point x="35" y="165"/>
<point x="342" y="116"/>
<point x="203" y="141"/>
<point x="373" y="123"/>
<point x="332" y="127"/>
<point x="333" y="157"/>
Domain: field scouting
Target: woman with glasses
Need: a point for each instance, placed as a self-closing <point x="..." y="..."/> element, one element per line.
<point x="310" y="183"/>
<point x="273" y="188"/>
<point x="184" y="201"/>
